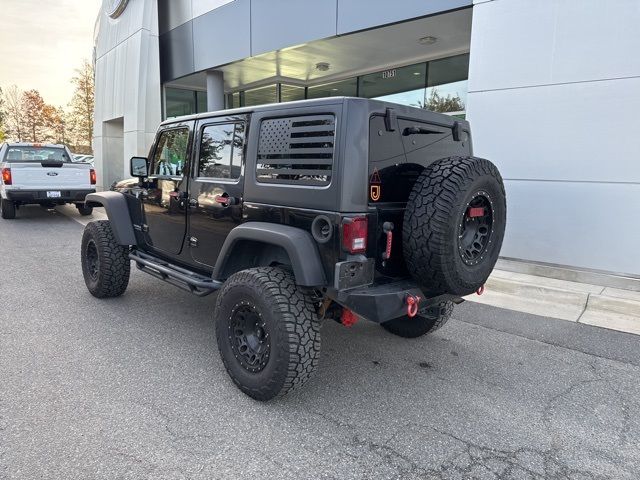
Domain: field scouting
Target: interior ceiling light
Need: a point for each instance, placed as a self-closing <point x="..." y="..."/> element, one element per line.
<point x="428" y="40"/>
<point x="322" y="66"/>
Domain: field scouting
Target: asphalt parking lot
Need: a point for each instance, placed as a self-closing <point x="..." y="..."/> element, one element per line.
<point x="134" y="388"/>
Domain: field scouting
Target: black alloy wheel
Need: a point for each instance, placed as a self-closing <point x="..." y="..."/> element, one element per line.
<point x="476" y="228"/>
<point x="249" y="337"/>
<point x="91" y="259"/>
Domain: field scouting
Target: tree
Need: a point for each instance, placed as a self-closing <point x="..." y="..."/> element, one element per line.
<point x="438" y="103"/>
<point x="81" y="114"/>
<point x="14" y="121"/>
<point x="57" y="124"/>
<point x="34" y="112"/>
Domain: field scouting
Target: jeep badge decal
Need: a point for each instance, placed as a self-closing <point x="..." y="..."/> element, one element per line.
<point x="375" y="186"/>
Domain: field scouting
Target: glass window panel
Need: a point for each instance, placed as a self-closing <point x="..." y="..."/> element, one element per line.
<point x="404" y="85"/>
<point x="260" y="96"/>
<point x="170" y="154"/>
<point x="447" y="85"/>
<point x="179" y="102"/>
<point x="290" y="93"/>
<point x="233" y="100"/>
<point x="448" y="70"/>
<point x="447" y="98"/>
<point x="221" y="151"/>
<point x="201" y="98"/>
<point x="344" y="88"/>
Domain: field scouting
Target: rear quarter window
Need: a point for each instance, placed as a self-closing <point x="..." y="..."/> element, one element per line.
<point x="296" y="150"/>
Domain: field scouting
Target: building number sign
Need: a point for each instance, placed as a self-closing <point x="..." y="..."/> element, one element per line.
<point x="389" y="73"/>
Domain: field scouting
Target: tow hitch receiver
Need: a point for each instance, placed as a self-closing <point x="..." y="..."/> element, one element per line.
<point x="412" y="302"/>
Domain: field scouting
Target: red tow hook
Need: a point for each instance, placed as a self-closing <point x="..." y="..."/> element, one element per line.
<point x="480" y="290"/>
<point x="348" y="318"/>
<point x="412" y="302"/>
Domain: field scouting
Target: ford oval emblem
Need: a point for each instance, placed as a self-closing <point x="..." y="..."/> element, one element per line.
<point x="53" y="174"/>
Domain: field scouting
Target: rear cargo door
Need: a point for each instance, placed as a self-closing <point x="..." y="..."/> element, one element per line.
<point x="50" y="176"/>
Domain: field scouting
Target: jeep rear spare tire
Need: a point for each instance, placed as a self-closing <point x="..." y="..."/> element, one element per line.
<point x="268" y="332"/>
<point x="454" y="224"/>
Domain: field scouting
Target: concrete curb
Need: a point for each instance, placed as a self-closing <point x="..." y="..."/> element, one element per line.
<point x="606" y="307"/>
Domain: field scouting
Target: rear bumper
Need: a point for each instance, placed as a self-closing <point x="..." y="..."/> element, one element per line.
<point x="40" y="196"/>
<point x="383" y="302"/>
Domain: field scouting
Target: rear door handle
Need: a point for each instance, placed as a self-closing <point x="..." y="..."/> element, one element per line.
<point x="226" y="200"/>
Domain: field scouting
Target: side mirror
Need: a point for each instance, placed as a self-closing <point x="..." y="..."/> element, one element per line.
<point x="139" y="167"/>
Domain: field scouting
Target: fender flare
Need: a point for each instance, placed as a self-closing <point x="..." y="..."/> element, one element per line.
<point x="298" y="243"/>
<point x="115" y="205"/>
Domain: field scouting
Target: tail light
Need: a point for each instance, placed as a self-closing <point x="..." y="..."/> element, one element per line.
<point x="6" y="176"/>
<point x="354" y="234"/>
<point x="92" y="176"/>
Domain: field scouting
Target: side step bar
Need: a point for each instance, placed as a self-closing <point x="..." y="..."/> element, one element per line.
<point x="195" y="283"/>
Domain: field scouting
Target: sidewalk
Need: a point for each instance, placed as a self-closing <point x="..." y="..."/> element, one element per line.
<point x="607" y="307"/>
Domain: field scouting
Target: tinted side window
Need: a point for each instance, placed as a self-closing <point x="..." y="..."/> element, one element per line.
<point x="170" y="155"/>
<point x="296" y="150"/>
<point x="221" y="150"/>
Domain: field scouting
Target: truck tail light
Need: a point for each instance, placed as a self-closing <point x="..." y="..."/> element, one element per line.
<point x="6" y="176"/>
<point x="354" y="234"/>
<point x="92" y="176"/>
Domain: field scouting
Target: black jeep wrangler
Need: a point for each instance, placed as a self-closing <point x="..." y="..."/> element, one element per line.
<point x="339" y="208"/>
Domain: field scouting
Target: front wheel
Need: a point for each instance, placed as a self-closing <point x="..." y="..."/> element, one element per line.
<point x="105" y="263"/>
<point x="420" y="324"/>
<point x="268" y="332"/>
<point x="7" y="209"/>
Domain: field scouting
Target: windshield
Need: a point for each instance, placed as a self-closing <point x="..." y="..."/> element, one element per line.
<point x="36" y="154"/>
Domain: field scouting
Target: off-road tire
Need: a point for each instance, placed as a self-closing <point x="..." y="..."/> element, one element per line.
<point x="435" y="214"/>
<point x="105" y="263"/>
<point x="7" y="209"/>
<point x="84" y="210"/>
<point x="419" y="325"/>
<point x="290" y="321"/>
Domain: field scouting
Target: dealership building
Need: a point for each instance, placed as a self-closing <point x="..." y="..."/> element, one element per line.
<point x="551" y="88"/>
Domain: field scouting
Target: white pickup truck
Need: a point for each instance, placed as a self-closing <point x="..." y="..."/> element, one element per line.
<point x="43" y="174"/>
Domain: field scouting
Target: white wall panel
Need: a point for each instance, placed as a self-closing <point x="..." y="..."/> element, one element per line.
<point x="553" y="41"/>
<point x="578" y="224"/>
<point x="127" y="88"/>
<point x="581" y="131"/>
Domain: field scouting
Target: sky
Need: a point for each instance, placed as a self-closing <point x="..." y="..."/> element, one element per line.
<point x="42" y="42"/>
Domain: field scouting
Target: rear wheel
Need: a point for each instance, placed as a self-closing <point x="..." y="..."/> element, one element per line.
<point x="420" y="324"/>
<point x="454" y="224"/>
<point x="105" y="263"/>
<point x="84" y="209"/>
<point x="7" y="209"/>
<point x="268" y="332"/>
